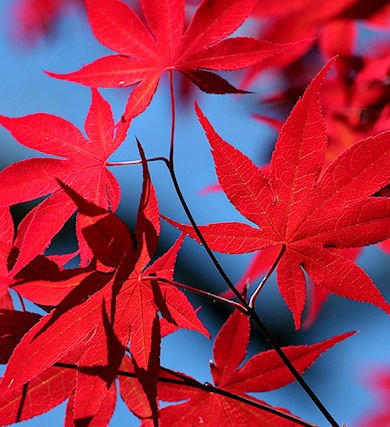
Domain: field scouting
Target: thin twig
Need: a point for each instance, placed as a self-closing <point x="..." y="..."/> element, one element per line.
<point x="173" y="115"/>
<point x="136" y="162"/>
<point x="209" y="388"/>
<point x="214" y="297"/>
<point x="267" y="276"/>
<point x="243" y="304"/>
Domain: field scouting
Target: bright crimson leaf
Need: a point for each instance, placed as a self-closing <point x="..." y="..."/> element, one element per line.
<point x="44" y="392"/>
<point x="124" y="302"/>
<point x="145" y="53"/>
<point x="303" y="208"/>
<point x="45" y="283"/>
<point x="84" y="169"/>
<point x="95" y="392"/>
<point x="263" y="372"/>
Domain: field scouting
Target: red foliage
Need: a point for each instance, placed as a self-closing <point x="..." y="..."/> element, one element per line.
<point x="306" y="211"/>
<point x="263" y="372"/>
<point x="145" y="53"/>
<point x="84" y="167"/>
<point x="313" y="207"/>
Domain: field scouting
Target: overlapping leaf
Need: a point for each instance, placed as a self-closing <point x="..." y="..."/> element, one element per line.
<point x="44" y="392"/>
<point x="45" y="283"/>
<point x="146" y="51"/>
<point x="304" y="209"/>
<point x="47" y="390"/>
<point x="94" y="398"/>
<point x="84" y="167"/>
<point x="116" y="306"/>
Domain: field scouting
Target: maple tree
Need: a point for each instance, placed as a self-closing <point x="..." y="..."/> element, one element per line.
<point x="96" y="329"/>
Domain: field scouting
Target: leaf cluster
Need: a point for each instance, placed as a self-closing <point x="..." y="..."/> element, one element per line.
<point x="321" y="198"/>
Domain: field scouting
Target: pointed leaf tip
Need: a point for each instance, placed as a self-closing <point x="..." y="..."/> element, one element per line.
<point x="230" y="347"/>
<point x="265" y="371"/>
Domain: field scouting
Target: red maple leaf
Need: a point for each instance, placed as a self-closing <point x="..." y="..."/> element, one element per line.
<point x="262" y="372"/>
<point x="303" y="209"/>
<point x="263" y="260"/>
<point x="108" y="309"/>
<point x="84" y="169"/>
<point x="46" y="284"/>
<point x="47" y="390"/>
<point x="133" y="394"/>
<point x="43" y="393"/>
<point x="145" y="52"/>
<point x="42" y="281"/>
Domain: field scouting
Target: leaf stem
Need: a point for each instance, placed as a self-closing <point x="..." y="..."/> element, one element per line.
<point x="266" y="277"/>
<point x="214" y="297"/>
<point x="207" y="387"/>
<point x="173" y="115"/>
<point x="136" y="162"/>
